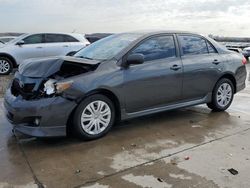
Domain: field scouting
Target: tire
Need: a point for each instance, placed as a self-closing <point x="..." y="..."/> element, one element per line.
<point x="6" y="66"/>
<point x="87" y="127"/>
<point x="221" y="101"/>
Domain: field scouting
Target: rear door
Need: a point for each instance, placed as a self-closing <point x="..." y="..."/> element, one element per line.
<point x="61" y="44"/>
<point x="33" y="47"/>
<point x="73" y="44"/>
<point x="202" y="66"/>
<point x="156" y="82"/>
<point x="55" y="45"/>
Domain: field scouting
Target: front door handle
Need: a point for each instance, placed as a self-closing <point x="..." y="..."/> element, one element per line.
<point x="65" y="46"/>
<point x="216" y="62"/>
<point x="39" y="47"/>
<point x="175" y="67"/>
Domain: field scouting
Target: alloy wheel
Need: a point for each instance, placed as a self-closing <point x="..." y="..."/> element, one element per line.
<point x="4" y="66"/>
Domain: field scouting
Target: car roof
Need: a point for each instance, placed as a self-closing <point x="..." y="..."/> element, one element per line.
<point x="80" y="36"/>
<point x="153" y="32"/>
<point x="63" y="33"/>
<point x="7" y="37"/>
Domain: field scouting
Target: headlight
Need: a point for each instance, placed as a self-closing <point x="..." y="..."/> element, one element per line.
<point x="51" y="87"/>
<point x="61" y="86"/>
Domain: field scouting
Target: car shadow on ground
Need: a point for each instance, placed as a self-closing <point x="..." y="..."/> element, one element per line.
<point x="170" y="121"/>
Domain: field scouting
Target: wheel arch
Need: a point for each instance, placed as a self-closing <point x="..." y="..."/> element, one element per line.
<point x="9" y="57"/>
<point x="231" y="77"/>
<point x="101" y="91"/>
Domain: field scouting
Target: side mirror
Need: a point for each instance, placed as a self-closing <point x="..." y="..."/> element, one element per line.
<point x="135" y="59"/>
<point x="20" y="43"/>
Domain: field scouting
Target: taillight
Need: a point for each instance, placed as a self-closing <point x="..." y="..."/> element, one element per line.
<point x="244" y="61"/>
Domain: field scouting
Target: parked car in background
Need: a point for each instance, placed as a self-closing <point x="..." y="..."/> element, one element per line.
<point x="38" y="45"/>
<point x="246" y="52"/>
<point x="96" y="36"/>
<point x="6" y="39"/>
<point x="238" y="50"/>
<point x="120" y="77"/>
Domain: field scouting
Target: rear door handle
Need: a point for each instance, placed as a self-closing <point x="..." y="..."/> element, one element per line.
<point x="175" y="67"/>
<point x="65" y="46"/>
<point x="216" y="62"/>
<point x="39" y="47"/>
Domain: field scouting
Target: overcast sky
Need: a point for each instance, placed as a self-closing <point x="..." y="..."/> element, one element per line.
<point x="220" y="17"/>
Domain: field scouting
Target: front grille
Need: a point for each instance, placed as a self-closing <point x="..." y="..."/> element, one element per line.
<point x="19" y="88"/>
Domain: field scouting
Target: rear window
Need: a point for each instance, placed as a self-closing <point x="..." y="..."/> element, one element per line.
<point x="192" y="45"/>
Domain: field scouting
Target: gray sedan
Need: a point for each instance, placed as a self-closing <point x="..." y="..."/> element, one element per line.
<point x="120" y="77"/>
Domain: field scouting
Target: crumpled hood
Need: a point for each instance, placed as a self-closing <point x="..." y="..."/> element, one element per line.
<point x="45" y="67"/>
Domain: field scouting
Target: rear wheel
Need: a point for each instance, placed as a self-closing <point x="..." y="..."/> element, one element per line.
<point x="222" y="96"/>
<point x="6" y="66"/>
<point x="94" y="117"/>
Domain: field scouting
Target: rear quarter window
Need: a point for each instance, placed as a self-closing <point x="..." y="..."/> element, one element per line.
<point x="68" y="38"/>
<point x="211" y="48"/>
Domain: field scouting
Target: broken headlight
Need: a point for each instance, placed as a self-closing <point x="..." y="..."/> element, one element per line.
<point x="52" y="86"/>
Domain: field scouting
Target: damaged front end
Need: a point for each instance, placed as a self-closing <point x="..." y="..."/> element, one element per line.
<point x="45" y="78"/>
<point x="35" y="102"/>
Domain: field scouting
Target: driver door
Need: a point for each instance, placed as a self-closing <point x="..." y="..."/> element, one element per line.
<point x="158" y="81"/>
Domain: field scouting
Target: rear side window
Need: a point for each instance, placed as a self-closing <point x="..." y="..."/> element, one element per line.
<point x="192" y="45"/>
<point x="57" y="38"/>
<point x="159" y="47"/>
<point x="33" y="39"/>
<point x="53" y="38"/>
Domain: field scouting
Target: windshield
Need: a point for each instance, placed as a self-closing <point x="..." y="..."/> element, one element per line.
<point x="108" y="47"/>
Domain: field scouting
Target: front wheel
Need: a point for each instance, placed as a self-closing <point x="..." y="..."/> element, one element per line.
<point x="222" y="95"/>
<point x="6" y="66"/>
<point x="94" y="117"/>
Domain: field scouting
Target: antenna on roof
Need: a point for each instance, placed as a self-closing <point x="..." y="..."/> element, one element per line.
<point x="74" y="31"/>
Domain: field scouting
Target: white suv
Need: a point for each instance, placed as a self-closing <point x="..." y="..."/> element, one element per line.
<point x="38" y="45"/>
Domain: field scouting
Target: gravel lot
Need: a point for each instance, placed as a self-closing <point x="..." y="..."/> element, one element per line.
<point x="4" y="81"/>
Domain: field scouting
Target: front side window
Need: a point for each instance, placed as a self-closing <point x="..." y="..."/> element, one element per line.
<point x="159" y="47"/>
<point x="192" y="45"/>
<point x="33" y="39"/>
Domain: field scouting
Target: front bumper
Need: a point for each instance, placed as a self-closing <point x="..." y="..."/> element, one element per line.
<point x="51" y="113"/>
